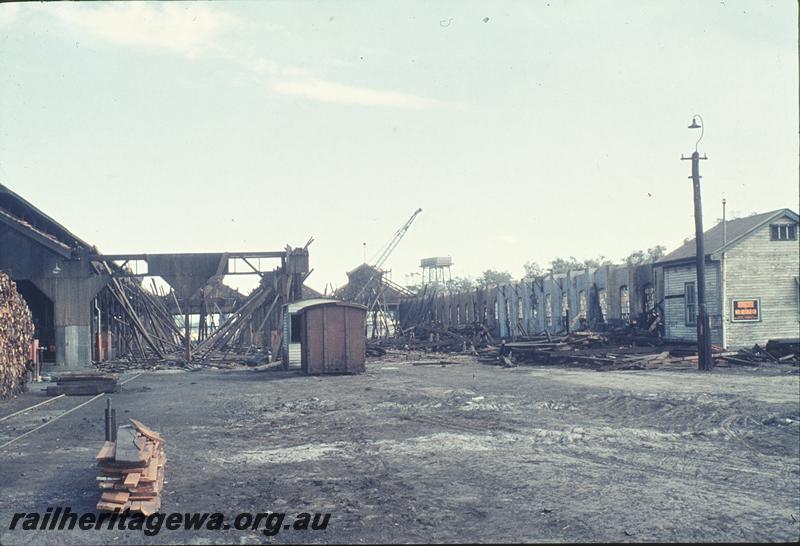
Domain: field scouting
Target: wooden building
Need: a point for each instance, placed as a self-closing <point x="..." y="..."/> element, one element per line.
<point x="327" y="335"/>
<point x="752" y="286"/>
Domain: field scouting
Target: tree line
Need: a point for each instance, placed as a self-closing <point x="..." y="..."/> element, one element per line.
<point x="493" y="277"/>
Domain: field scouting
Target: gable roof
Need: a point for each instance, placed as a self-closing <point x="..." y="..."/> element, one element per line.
<point x="23" y="217"/>
<point x="737" y="229"/>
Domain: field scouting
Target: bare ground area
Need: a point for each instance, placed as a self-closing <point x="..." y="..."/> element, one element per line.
<point x="465" y="452"/>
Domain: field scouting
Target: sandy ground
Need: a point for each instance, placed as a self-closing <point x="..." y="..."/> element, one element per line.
<point x="466" y="452"/>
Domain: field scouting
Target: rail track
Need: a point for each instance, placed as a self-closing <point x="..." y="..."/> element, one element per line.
<point x="24" y="422"/>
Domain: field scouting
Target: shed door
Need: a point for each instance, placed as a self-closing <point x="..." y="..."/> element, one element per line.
<point x="355" y="339"/>
<point x="314" y="341"/>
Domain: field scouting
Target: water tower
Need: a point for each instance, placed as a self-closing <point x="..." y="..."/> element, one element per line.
<point x="436" y="270"/>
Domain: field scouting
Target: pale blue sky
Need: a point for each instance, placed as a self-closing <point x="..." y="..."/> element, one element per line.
<point x="550" y="129"/>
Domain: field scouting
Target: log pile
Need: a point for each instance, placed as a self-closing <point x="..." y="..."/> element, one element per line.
<point x="131" y="470"/>
<point x="16" y="335"/>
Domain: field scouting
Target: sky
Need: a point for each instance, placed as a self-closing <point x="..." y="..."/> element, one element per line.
<point x="525" y="130"/>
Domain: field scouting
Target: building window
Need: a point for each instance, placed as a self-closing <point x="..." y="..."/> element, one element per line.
<point x="690" y="299"/>
<point x="783" y="232"/>
<point x="458" y="314"/>
<point x="649" y="300"/>
<point x="520" y="310"/>
<point x="582" y="303"/>
<point x="548" y="310"/>
<point x="624" y="303"/>
<point x="603" y="303"/>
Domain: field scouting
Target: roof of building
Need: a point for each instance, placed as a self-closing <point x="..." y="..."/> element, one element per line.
<point x="302" y="305"/>
<point x="366" y="274"/>
<point x="737" y="230"/>
<point x="308" y="293"/>
<point x="22" y="216"/>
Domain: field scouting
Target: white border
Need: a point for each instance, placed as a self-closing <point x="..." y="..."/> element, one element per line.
<point x="758" y="300"/>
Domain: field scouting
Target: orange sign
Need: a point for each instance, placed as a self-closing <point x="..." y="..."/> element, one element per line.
<point x="746" y="310"/>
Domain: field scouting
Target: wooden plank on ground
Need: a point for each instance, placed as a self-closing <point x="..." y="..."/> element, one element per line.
<point x="115" y="496"/>
<point x="132" y="479"/>
<point x="128" y="451"/>
<point x="147" y="431"/>
<point x="150" y="507"/>
<point x="103" y="506"/>
<point x="107" y="452"/>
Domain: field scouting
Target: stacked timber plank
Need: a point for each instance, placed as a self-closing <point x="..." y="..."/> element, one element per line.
<point x="16" y="335"/>
<point x="83" y="383"/>
<point x="132" y="470"/>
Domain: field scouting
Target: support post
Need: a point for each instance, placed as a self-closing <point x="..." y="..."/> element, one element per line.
<point x="188" y="335"/>
<point x="705" y="361"/>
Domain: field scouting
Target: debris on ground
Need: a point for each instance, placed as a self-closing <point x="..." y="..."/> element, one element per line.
<point x="131" y="470"/>
<point x="615" y="349"/>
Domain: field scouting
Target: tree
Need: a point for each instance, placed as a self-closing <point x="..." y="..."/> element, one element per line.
<point x="561" y="265"/>
<point x="564" y="265"/>
<point x="460" y="284"/>
<point x="532" y="271"/>
<point x="640" y="257"/>
<point x="657" y="252"/>
<point x="490" y="277"/>
<point x="594" y="263"/>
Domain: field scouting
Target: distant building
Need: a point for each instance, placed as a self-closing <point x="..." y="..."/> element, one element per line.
<point x="752" y="284"/>
<point x="371" y="287"/>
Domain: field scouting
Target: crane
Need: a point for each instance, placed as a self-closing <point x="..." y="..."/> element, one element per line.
<point x="389" y="247"/>
<point x="374" y="301"/>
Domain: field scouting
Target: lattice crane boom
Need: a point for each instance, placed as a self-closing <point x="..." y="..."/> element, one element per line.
<point x="387" y="251"/>
<point x="394" y="241"/>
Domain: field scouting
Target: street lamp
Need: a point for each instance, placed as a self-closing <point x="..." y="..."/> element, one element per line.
<point x="703" y="332"/>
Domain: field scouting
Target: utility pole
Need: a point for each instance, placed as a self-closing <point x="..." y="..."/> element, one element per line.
<point x="705" y="363"/>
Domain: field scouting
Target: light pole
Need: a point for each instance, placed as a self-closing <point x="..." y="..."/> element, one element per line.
<point x="703" y="334"/>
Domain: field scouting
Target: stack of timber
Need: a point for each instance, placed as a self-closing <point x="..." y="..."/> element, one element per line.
<point x="83" y="383"/>
<point x="16" y="335"/>
<point x="132" y="470"/>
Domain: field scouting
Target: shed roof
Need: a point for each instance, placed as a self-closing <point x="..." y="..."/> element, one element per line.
<point x="738" y="229"/>
<point x="22" y="216"/>
<point x="297" y="306"/>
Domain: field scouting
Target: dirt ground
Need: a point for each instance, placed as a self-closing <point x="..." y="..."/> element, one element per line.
<point x="462" y="453"/>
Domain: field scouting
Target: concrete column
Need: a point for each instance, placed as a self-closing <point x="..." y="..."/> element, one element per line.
<point x="71" y="292"/>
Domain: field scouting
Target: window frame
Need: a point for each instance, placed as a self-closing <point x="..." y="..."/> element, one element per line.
<point x="624" y="303"/>
<point x="690" y="318"/>
<point x="783" y="232"/>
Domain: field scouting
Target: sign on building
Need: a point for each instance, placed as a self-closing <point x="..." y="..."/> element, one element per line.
<point x="748" y="310"/>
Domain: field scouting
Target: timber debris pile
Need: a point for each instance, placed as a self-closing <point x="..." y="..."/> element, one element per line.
<point x="16" y="334"/>
<point x="132" y="463"/>
<point x="613" y="349"/>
